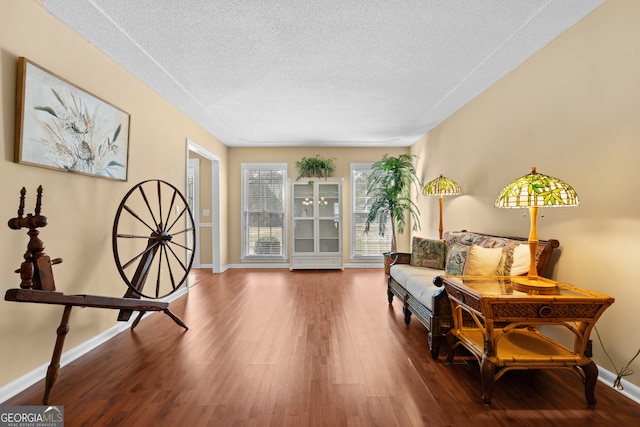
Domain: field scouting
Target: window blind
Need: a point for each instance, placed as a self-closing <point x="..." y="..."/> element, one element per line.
<point x="264" y="216"/>
<point x="365" y="246"/>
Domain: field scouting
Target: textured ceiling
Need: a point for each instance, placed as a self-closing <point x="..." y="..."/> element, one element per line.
<point x="332" y="72"/>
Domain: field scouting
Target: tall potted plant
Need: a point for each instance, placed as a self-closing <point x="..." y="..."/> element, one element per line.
<point x="389" y="193"/>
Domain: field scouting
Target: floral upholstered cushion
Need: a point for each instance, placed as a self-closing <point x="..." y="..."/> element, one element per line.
<point x="466" y="237"/>
<point x="428" y="253"/>
<point x="456" y="258"/>
<point x="515" y="252"/>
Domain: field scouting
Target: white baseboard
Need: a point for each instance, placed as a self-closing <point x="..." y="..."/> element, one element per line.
<point x="363" y="265"/>
<point x="256" y="265"/>
<point x="29" y="379"/>
<point x="281" y="265"/>
<point x="630" y="390"/>
<point x="39" y="373"/>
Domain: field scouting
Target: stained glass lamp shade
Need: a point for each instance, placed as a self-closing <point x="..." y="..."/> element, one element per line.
<point x="534" y="191"/>
<point x="441" y="187"/>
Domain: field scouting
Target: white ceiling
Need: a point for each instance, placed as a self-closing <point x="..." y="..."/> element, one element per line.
<point x="319" y="73"/>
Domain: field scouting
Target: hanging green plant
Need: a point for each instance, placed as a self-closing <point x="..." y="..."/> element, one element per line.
<point x="315" y="167"/>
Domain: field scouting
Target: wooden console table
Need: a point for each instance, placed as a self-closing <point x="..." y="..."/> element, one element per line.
<point x="506" y="336"/>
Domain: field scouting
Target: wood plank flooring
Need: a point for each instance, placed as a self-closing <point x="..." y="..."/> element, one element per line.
<point x="303" y="348"/>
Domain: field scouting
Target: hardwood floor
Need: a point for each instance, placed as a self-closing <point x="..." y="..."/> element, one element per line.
<point x="303" y="348"/>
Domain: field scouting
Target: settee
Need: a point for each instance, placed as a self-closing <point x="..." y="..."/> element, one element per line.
<point x="411" y="275"/>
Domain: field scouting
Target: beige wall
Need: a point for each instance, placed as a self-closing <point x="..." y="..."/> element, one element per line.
<point x="80" y="209"/>
<point x="344" y="157"/>
<point x="572" y="110"/>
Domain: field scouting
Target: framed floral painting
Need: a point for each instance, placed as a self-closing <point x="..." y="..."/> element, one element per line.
<point x="60" y="126"/>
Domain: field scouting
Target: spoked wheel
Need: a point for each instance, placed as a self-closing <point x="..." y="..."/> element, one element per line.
<point x="153" y="239"/>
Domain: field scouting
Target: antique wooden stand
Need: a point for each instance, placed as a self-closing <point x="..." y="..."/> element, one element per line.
<point x="506" y="333"/>
<point x="37" y="284"/>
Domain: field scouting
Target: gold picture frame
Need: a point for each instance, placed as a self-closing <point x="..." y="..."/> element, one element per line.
<point x="63" y="127"/>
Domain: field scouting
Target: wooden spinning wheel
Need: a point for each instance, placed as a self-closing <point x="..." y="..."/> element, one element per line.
<point x="153" y="239"/>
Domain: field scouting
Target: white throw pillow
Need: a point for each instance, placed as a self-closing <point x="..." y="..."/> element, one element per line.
<point x="521" y="259"/>
<point x="482" y="261"/>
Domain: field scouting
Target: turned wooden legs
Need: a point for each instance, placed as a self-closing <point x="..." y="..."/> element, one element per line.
<point x="590" y="379"/>
<point x="407" y="314"/>
<point x="434" y="345"/>
<point x="54" y="367"/>
<point x="487" y="372"/>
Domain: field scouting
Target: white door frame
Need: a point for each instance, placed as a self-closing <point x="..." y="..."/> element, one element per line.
<point x="193" y="193"/>
<point x="216" y="241"/>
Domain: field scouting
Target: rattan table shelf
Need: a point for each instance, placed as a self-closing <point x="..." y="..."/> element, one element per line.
<point x="506" y="333"/>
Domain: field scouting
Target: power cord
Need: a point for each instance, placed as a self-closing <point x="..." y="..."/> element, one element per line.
<point x="625" y="371"/>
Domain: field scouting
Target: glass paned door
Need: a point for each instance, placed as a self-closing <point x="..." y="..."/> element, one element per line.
<point x="303" y="232"/>
<point x="328" y="217"/>
<point x="304" y="204"/>
<point x="303" y="201"/>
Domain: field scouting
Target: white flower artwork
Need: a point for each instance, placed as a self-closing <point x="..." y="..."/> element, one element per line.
<point x="63" y="127"/>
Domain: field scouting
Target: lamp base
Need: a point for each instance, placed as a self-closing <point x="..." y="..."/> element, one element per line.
<point x="534" y="286"/>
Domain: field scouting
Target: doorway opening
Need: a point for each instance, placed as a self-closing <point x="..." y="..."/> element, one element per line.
<point x="203" y="190"/>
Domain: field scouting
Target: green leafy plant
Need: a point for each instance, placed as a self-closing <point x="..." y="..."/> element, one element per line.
<point x="389" y="193"/>
<point x="318" y="167"/>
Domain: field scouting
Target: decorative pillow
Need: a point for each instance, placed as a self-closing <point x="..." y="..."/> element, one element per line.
<point x="521" y="259"/>
<point x="502" y="269"/>
<point x="466" y="237"/>
<point x="482" y="261"/>
<point x="456" y="258"/>
<point x="428" y="253"/>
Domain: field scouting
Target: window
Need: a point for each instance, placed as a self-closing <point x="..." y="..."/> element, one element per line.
<point x="371" y="246"/>
<point x="263" y="211"/>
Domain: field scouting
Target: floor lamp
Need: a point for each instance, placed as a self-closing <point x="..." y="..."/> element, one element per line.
<point x="534" y="191"/>
<point x="441" y="187"/>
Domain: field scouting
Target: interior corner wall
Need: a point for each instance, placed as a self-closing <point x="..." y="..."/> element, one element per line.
<point x="80" y="209"/>
<point x="573" y="111"/>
